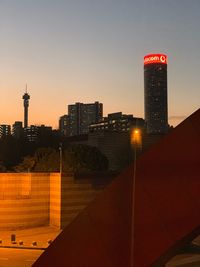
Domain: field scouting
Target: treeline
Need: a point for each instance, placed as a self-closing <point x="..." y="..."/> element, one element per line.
<point x="19" y="155"/>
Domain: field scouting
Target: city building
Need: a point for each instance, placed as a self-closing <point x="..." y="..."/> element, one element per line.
<point x="64" y="125"/>
<point x="82" y="115"/>
<point x="26" y="98"/>
<point x="17" y="129"/>
<point x="44" y="131"/>
<point x="5" y="130"/>
<point x="155" y="93"/>
<point x="38" y="133"/>
<point x="117" y="122"/>
<point x="112" y="137"/>
<point x="31" y="133"/>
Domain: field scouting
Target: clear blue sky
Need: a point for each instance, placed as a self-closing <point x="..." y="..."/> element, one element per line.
<point x="71" y="51"/>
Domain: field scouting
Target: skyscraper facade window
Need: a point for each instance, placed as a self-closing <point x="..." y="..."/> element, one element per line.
<point x="155" y="93"/>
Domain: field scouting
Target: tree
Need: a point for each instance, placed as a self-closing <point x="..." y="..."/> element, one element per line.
<point x="26" y="165"/>
<point x="80" y="158"/>
<point x="76" y="158"/>
<point x="47" y="159"/>
<point x="2" y="167"/>
<point x="9" y="151"/>
<point x="44" y="159"/>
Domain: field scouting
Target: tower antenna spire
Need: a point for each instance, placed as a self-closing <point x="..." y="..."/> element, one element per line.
<point x="26" y="98"/>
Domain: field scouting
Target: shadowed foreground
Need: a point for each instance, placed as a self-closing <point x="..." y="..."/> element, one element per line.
<point x="167" y="210"/>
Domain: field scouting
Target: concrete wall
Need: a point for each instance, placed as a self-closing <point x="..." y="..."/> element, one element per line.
<point x="38" y="199"/>
<point x="24" y="200"/>
<point x="68" y="197"/>
<point x="75" y="196"/>
<point x="115" y="146"/>
<point x="55" y="200"/>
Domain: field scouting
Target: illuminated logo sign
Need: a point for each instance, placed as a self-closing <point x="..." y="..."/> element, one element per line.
<point x="155" y="58"/>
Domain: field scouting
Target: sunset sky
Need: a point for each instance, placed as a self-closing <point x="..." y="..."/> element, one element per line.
<point x="71" y="51"/>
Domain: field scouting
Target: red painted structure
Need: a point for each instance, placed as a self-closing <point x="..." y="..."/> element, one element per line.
<point x="167" y="210"/>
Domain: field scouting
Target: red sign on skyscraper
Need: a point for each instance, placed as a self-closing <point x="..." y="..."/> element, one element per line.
<point x="155" y="58"/>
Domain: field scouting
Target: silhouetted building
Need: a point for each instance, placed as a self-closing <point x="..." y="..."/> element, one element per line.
<point x="155" y="92"/>
<point x="117" y="122"/>
<point x="45" y="134"/>
<point x="26" y="98"/>
<point x="36" y="133"/>
<point x="64" y="123"/>
<point x="44" y="131"/>
<point x="31" y="133"/>
<point x="17" y="129"/>
<point x="112" y="137"/>
<point x="5" y="130"/>
<point x="82" y="115"/>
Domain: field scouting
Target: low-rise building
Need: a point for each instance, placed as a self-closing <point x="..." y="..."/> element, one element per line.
<point x="5" y="130"/>
<point x="117" y="122"/>
<point x="17" y="129"/>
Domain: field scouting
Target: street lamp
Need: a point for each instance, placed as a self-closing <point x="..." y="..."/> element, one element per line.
<point x="136" y="142"/>
<point x="60" y="149"/>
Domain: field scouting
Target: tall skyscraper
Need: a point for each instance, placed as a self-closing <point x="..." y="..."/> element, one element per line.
<point x="26" y="98"/>
<point x="82" y="115"/>
<point x="155" y="93"/>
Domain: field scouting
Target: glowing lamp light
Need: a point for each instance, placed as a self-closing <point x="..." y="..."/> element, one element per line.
<point x="136" y="137"/>
<point x="155" y="59"/>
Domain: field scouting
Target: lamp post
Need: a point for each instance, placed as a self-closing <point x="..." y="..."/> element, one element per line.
<point x="60" y="149"/>
<point x="136" y="141"/>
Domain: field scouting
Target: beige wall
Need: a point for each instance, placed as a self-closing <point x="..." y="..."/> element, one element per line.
<point x="76" y="194"/>
<point x="67" y="198"/>
<point x="24" y="200"/>
<point x="38" y="199"/>
<point x="55" y="199"/>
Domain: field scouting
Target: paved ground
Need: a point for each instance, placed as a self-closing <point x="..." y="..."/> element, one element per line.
<point x="185" y="260"/>
<point x="189" y="258"/>
<point x="11" y="257"/>
<point x="39" y="234"/>
<point x="25" y="255"/>
<point x="17" y="255"/>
